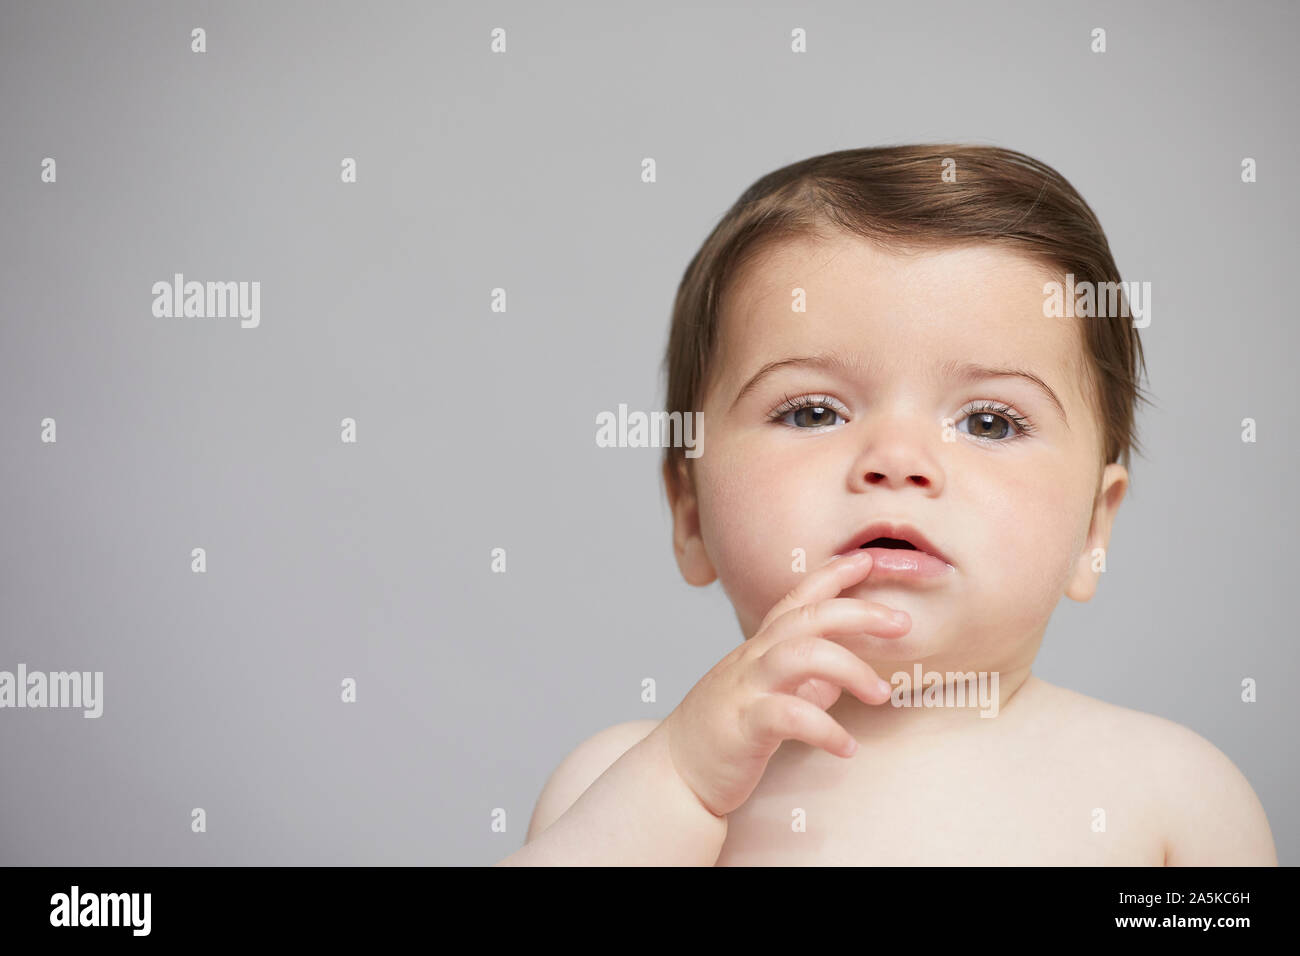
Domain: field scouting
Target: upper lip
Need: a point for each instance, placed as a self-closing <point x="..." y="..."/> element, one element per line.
<point x="894" y="529"/>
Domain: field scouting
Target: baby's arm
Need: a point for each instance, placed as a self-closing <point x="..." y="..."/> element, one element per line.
<point x="617" y="800"/>
<point x="1214" y="816"/>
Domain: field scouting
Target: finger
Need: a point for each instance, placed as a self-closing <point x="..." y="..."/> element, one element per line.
<point x="821" y="693"/>
<point x="787" y="665"/>
<point x="825" y="582"/>
<point x="845" y="620"/>
<point x="773" y="718"/>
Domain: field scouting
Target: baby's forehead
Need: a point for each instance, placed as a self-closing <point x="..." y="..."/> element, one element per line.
<point x="871" y="272"/>
<point x="850" y="294"/>
<point x="915" y="312"/>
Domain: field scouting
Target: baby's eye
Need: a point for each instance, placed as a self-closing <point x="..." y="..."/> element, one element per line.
<point x="995" y="422"/>
<point x="811" y="416"/>
<point x="988" y="425"/>
<point x="807" y="412"/>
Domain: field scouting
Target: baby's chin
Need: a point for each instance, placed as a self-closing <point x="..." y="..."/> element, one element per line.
<point x="885" y="653"/>
<point x="939" y="639"/>
<point x="938" y="628"/>
<point x="934" y="603"/>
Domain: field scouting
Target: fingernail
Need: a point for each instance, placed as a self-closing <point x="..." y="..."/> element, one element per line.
<point x="884" y="687"/>
<point x="900" y="617"/>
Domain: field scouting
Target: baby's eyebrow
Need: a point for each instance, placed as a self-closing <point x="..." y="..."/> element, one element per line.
<point x="973" y="372"/>
<point x="954" y="369"/>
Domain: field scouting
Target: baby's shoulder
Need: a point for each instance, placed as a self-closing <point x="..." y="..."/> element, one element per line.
<point x="1122" y="732"/>
<point x="1209" y="811"/>
<point x="1113" y="725"/>
<point x="582" y="766"/>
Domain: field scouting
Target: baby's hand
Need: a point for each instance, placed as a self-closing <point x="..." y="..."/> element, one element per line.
<point x="777" y="686"/>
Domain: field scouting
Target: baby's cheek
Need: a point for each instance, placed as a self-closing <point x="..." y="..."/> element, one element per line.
<point x="1012" y="558"/>
<point x="1044" y="558"/>
<point x="751" y="546"/>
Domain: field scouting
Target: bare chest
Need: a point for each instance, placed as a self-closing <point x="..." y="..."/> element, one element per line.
<point x="985" y="808"/>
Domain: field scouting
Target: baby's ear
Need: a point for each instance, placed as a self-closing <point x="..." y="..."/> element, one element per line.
<point x="1091" y="562"/>
<point x="688" y="545"/>
<point x="674" y="479"/>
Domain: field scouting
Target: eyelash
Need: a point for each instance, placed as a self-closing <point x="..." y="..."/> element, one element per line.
<point x="1024" y="427"/>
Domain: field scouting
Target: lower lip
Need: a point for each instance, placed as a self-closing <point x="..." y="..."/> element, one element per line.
<point x="905" y="565"/>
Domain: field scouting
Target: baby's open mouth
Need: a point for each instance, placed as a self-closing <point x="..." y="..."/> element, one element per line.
<point x="889" y="543"/>
<point x="899" y="549"/>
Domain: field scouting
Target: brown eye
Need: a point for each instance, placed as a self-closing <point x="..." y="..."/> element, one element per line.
<point x="813" y="416"/>
<point x="989" y="425"/>
<point x="996" y="423"/>
<point x="808" y="413"/>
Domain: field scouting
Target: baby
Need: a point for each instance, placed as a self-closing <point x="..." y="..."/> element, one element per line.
<point x="908" y="458"/>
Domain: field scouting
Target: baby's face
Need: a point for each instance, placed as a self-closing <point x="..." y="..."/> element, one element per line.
<point x="1011" y="512"/>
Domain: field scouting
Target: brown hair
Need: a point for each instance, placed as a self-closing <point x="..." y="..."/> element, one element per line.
<point x="895" y="196"/>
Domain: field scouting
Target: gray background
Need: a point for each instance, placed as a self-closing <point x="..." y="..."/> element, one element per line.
<point x="476" y="429"/>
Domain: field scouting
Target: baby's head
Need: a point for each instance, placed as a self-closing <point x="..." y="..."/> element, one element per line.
<point x="897" y="274"/>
